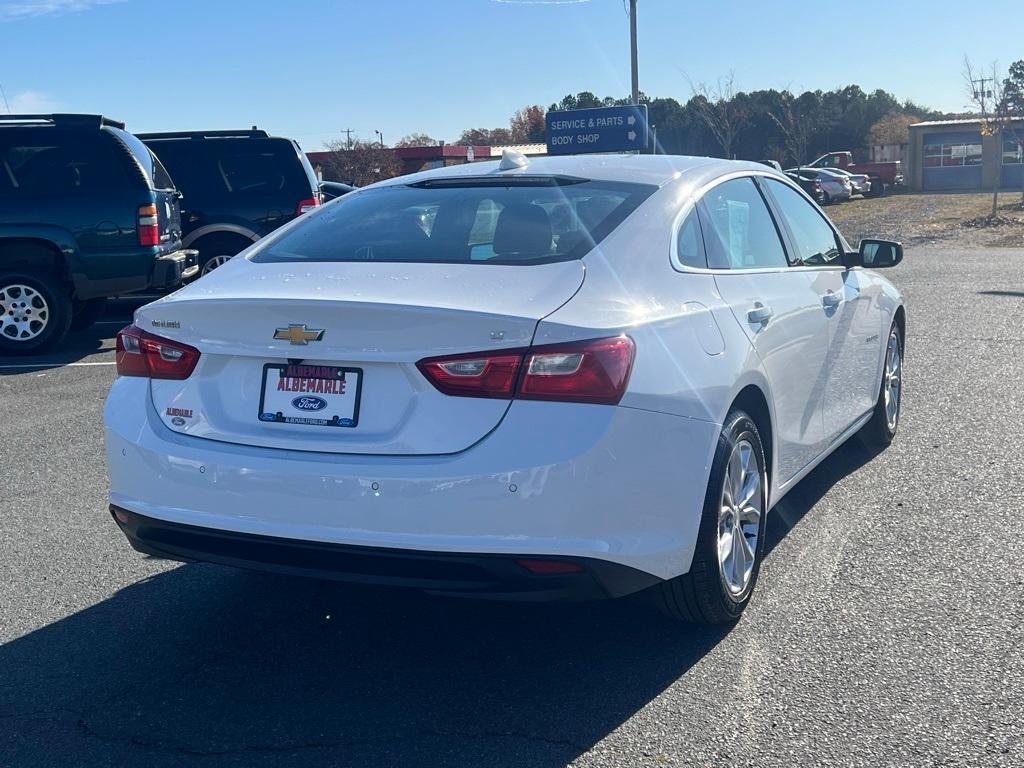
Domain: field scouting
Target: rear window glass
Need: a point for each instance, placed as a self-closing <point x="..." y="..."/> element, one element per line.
<point x="470" y="220"/>
<point x="154" y="170"/>
<point x="51" y="161"/>
<point x="236" y="168"/>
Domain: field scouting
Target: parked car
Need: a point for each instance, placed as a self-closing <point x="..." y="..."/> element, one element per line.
<point x="882" y="175"/>
<point x="860" y="183"/>
<point x="600" y="437"/>
<point x="811" y="186"/>
<point x="86" y="212"/>
<point x="238" y="186"/>
<point x="834" y="186"/>
<point x="331" y="190"/>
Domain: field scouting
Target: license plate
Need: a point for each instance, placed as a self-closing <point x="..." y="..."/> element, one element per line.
<point x="317" y="395"/>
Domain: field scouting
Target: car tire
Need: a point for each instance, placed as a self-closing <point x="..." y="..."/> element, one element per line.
<point x="35" y="311"/>
<point x="881" y="429"/>
<point x="718" y="586"/>
<point x="826" y="198"/>
<point x="216" y="249"/>
<point x="85" y="313"/>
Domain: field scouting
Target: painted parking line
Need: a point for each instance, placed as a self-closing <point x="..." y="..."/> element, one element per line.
<point x="54" y="365"/>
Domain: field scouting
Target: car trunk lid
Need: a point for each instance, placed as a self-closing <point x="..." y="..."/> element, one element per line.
<point x="274" y="334"/>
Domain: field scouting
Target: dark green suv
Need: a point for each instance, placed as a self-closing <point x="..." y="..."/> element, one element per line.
<point x="86" y="212"/>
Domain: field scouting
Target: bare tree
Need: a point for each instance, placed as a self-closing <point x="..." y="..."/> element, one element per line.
<point x="1013" y="104"/>
<point x="362" y="163"/>
<point x="796" y="126"/>
<point x="993" y="110"/>
<point x="720" y="111"/>
<point x="417" y="140"/>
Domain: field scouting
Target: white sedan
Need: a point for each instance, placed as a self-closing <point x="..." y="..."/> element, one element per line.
<point x="570" y="377"/>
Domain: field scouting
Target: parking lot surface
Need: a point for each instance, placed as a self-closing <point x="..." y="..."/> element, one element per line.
<point x="886" y="630"/>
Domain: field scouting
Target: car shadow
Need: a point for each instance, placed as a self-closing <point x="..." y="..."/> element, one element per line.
<point x="204" y="661"/>
<point x="95" y="342"/>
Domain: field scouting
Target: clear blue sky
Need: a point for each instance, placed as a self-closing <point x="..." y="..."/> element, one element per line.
<point x="308" y="69"/>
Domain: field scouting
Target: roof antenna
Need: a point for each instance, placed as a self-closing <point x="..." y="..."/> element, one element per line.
<point x="510" y="160"/>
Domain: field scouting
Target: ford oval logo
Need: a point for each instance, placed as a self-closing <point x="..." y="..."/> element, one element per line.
<point x="307" y="403"/>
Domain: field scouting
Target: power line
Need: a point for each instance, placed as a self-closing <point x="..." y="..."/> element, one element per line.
<point x="6" y="103"/>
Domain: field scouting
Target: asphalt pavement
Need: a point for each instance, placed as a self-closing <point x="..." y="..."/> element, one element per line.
<point x="886" y="630"/>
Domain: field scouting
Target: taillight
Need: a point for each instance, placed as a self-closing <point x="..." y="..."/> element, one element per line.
<point x="584" y="371"/>
<point x="149" y="225"/>
<point x="475" y="375"/>
<point x="307" y="205"/>
<point x="144" y="354"/>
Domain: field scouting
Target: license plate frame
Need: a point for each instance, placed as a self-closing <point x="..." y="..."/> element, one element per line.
<point x="278" y="417"/>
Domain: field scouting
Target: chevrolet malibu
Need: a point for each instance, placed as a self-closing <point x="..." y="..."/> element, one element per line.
<point x="559" y="378"/>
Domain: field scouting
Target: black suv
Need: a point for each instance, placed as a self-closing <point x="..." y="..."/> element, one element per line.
<point x="86" y="212"/>
<point x="238" y="186"/>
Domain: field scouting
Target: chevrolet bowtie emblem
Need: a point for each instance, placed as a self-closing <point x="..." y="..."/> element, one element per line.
<point x="299" y="334"/>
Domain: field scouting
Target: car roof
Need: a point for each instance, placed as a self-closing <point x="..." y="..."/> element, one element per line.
<point x="657" y="170"/>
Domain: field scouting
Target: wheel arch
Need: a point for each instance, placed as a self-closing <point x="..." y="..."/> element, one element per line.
<point x="900" y="318"/>
<point x="220" y="230"/>
<point x="754" y="402"/>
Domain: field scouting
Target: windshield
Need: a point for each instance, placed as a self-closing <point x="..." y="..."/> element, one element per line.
<point x="497" y="221"/>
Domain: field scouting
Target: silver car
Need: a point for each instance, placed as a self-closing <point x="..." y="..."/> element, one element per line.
<point x="835" y="186"/>
<point x="860" y="182"/>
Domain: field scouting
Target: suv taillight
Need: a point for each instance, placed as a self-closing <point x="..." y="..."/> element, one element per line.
<point x="149" y="225"/>
<point x="145" y="354"/>
<point x="583" y="372"/>
<point x="307" y="205"/>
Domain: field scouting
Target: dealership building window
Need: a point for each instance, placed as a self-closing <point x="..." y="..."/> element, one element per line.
<point x="951" y="155"/>
<point x="1013" y="152"/>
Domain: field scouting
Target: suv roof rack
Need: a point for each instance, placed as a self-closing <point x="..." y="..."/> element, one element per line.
<point x="245" y="133"/>
<point x="65" y="119"/>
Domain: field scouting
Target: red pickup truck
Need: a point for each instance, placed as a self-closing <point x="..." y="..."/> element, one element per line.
<point x="882" y="175"/>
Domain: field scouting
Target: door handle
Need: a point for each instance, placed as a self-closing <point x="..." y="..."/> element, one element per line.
<point x="830" y="300"/>
<point x="760" y="314"/>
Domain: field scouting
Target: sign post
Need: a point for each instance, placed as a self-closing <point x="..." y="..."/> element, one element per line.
<point x="605" y="129"/>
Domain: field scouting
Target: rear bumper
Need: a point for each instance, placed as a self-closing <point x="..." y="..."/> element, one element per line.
<point x="170" y="269"/>
<point x="483" y="575"/>
<point x="613" y="484"/>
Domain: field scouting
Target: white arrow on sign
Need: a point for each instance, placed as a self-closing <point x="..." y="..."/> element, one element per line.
<point x="631" y="135"/>
<point x="630" y="120"/>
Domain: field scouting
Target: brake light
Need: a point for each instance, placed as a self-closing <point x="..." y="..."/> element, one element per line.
<point x="593" y="371"/>
<point x="307" y="205"/>
<point x="149" y="225"/>
<point x="144" y="354"/>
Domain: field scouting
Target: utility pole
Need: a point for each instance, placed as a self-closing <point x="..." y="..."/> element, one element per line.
<point x="348" y="137"/>
<point x="632" y="50"/>
<point x="980" y="94"/>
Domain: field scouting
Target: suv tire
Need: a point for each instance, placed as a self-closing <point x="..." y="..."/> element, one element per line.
<point x="36" y="311"/>
<point x="85" y="313"/>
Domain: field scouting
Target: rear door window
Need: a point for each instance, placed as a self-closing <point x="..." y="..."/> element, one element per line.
<point x="739" y="231"/>
<point x="526" y="221"/>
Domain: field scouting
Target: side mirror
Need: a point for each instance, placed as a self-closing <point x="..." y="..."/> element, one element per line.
<point x="876" y="254"/>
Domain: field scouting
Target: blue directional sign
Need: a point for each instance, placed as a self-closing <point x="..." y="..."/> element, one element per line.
<point x="606" y="129"/>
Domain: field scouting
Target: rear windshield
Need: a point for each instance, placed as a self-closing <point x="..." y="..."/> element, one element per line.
<point x="236" y="169"/>
<point x="494" y="221"/>
<point x="153" y="169"/>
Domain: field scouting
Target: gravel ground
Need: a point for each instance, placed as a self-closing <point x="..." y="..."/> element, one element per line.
<point x="933" y="219"/>
<point x="887" y="629"/>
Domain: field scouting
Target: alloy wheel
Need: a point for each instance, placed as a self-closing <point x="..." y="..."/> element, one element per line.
<point x="892" y="386"/>
<point x="213" y="263"/>
<point x="24" y="312"/>
<point x="739" y="518"/>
